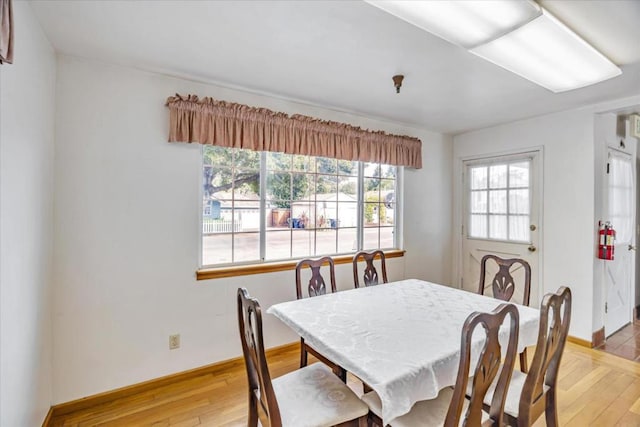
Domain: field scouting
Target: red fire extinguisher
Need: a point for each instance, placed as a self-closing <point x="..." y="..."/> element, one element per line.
<point x="606" y="237"/>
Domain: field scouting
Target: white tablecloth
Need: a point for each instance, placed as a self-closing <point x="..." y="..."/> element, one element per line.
<point x="401" y="338"/>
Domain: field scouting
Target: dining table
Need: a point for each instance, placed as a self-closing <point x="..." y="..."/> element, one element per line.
<point x="401" y="338"/>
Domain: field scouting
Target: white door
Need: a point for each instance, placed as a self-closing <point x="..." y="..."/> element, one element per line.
<point x="619" y="273"/>
<point x="501" y="213"/>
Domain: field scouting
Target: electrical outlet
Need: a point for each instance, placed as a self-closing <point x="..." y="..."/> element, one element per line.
<point x="174" y="341"/>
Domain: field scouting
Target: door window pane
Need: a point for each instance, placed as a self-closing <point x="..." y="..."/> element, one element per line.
<point x="502" y="191"/>
<point x="479" y="178"/>
<point x="478" y="226"/>
<point x="498" y="227"/>
<point x="478" y="202"/>
<point x="498" y="201"/>
<point x="519" y="174"/>
<point x="498" y="176"/>
<point x="519" y="228"/>
<point x="519" y="201"/>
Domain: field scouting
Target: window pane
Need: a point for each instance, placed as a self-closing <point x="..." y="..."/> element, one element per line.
<point x="498" y="201"/>
<point x="498" y="176"/>
<point x="498" y="227"/>
<point x="386" y="237"/>
<point x="347" y="167"/>
<point x="371" y="238"/>
<point x="347" y="240"/>
<point x="371" y="217"/>
<point x="246" y="247"/>
<point x="279" y="188"/>
<point x="302" y="242"/>
<point x="216" y="249"/>
<point x="388" y="171"/>
<point x="371" y="187"/>
<point x="478" y="226"/>
<point x="303" y="163"/>
<point x="302" y="184"/>
<point x="348" y="186"/>
<point x="247" y="183"/>
<point x="326" y="208"/>
<point x="326" y="165"/>
<point x="326" y="184"/>
<point x="302" y="213"/>
<point x="246" y="159"/>
<point x="326" y="242"/>
<point x="278" y="218"/>
<point x="479" y="178"/>
<point x="278" y="161"/>
<point x="278" y="245"/>
<point x="372" y="170"/>
<point x="519" y="201"/>
<point x="347" y="215"/>
<point x="519" y="174"/>
<point x="479" y="201"/>
<point x="519" y="228"/>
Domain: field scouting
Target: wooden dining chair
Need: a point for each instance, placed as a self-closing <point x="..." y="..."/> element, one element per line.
<point x="370" y="276"/>
<point x="503" y="285"/>
<point x="448" y="408"/>
<point x="311" y="396"/>
<point x="531" y="394"/>
<point x="317" y="286"/>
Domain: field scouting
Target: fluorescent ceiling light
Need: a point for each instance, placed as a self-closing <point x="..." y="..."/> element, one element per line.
<point x="467" y="23"/>
<point x="548" y="53"/>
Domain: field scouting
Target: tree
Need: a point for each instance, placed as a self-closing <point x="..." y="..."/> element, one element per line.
<point x="226" y="169"/>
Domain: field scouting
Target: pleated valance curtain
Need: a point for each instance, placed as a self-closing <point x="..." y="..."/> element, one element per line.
<point x="226" y="124"/>
<point x="6" y="32"/>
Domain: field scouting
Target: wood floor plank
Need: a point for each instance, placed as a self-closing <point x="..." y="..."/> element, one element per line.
<point x="594" y="388"/>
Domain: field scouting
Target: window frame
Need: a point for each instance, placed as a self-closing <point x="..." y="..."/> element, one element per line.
<point x="209" y="271"/>
<point x="488" y="162"/>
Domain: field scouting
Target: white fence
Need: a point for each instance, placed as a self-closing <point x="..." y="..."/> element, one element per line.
<point x="224" y="226"/>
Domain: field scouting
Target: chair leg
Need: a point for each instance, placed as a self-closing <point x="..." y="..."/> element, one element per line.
<point x="253" y="411"/>
<point x="303" y="353"/>
<point x="550" y="410"/>
<point x="524" y="362"/>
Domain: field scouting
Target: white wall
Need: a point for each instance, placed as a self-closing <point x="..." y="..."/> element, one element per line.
<point x="568" y="231"/>
<point x="126" y="232"/>
<point x="26" y="224"/>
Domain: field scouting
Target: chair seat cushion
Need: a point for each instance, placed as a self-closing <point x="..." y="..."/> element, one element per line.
<point x="314" y="396"/>
<point x="424" y="413"/>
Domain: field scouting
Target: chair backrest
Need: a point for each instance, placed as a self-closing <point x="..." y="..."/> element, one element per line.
<point x="317" y="285"/>
<point x="555" y="316"/>
<point x="503" y="284"/>
<point x="263" y="405"/>
<point x="370" y="276"/>
<point x="487" y="368"/>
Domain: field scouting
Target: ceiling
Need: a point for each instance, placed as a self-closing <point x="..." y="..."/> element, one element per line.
<point x="339" y="54"/>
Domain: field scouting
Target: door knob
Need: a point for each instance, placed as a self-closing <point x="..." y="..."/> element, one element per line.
<point x="632" y="248"/>
<point x="532" y="248"/>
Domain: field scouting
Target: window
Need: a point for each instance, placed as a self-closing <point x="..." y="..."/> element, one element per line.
<point x="267" y="206"/>
<point x="499" y="200"/>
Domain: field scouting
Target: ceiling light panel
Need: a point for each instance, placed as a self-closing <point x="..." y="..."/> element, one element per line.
<point x="467" y="23"/>
<point x="548" y="53"/>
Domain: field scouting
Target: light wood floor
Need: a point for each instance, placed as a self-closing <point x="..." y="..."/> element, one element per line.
<point x="595" y="389"/>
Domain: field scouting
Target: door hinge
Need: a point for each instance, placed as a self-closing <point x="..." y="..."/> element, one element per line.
<point x="606" y="308"/>
<point x="607" y="168"/>
<point x="462" y="230"/>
